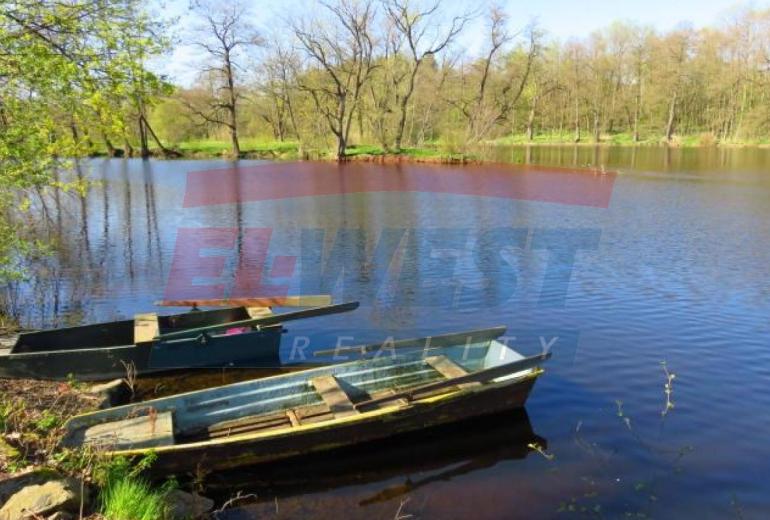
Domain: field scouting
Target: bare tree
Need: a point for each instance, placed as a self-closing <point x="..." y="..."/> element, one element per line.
<point x="225" y="35"/>
<point x="677" y="47"/>
<point x="279" y="86"/>
<point x="413" y="25"/>
<point x="343" y="50"/>
<point x="493" y="104"/>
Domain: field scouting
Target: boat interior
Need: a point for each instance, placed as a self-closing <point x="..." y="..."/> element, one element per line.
<point x="144" y="328"/>
<point x="286" y="401"/>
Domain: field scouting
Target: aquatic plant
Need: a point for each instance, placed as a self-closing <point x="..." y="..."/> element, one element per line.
<point x="668" y="389"/>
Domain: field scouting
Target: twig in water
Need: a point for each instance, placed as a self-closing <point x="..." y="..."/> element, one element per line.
<point x="626" y="420"/>
<point x="232" y="501"/>
<point x="399" y="514"/>
<point x="536" y="447"/>
<point x="668" y="388"/>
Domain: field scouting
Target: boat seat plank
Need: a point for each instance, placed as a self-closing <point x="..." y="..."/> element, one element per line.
<point x="446" y="366"/>
<point x="146" y="327"/>
<point x="449" y="369"/>
<point x="333" y="395"/>
<point x="147" y="431"/>
<point x="259" y="312"/>
<point x="387" y="393"/>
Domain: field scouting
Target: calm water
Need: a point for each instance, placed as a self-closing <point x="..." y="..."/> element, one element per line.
<point x="674" y="267"/>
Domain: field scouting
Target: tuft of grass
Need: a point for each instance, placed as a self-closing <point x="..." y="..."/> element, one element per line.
<point x="125" y="494"/>
<point x="133" y="498"/>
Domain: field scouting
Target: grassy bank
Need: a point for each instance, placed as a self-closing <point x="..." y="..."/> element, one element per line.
<point x="254" y="148"/>
<point x="626" y="139"/>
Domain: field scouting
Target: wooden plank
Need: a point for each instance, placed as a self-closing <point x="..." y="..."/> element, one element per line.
<point x="309" y="412"/>
<point x="146" y="328"/>
<point x="449" y="369"/>
<point x="482" y="376"/>
<point x="309" y="300"/>
<point x="387" y="393"/>
<point x="259" y="312"/>
<point x="333" y="395"/>
<point x="293" y="418"/>
<point x="446" y="366"/>
<point x="250" y="421"/>
<point x="147" y="431"/>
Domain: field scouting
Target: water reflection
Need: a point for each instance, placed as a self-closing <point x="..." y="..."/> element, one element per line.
<point x="379" y="475"/>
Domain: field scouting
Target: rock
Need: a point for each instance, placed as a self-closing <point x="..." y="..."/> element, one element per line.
<point x="43" y="499"/>
<point x="182" y="506"/>
<point x="112" y="393"/>
<point x="18" y="481"/>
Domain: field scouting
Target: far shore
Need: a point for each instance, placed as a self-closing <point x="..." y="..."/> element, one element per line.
<point x="429" y="153"/>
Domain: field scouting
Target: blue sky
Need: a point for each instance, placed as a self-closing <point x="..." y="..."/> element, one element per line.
<point x="561" y="19"/>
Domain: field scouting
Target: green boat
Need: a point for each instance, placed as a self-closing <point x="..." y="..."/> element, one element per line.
<point x="407" y="386"/>
<point x="152" y="344"/>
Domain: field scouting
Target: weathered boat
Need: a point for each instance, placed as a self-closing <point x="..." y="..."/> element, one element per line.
<point x="407" y="386"/>
<point x="151" y="344"/>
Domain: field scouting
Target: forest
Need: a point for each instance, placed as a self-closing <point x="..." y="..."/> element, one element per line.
<point x="392" y="74"/>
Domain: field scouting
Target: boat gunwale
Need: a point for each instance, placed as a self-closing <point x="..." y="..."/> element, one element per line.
<point x="144" y="344"/>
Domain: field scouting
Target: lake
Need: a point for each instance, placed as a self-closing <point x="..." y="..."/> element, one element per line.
<point x="666" y="261"/>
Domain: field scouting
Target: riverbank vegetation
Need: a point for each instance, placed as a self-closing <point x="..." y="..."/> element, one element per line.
<point x="392" y="74"/>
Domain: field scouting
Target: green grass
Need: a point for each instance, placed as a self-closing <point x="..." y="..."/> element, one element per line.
<point x="427" y="152"/>
<point x="618" y="139"/>
<point x="132" y="498"/>
<point x="627" y="139"/>
<point x="248" y="146"/>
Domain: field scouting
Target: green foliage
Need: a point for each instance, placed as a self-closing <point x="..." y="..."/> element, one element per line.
<point x="67" y="69"/>
<point x="125" y="494"/>
<point x="9" y="410"/>
<point x="132" y="498"/>
<point x="47" y="422"/>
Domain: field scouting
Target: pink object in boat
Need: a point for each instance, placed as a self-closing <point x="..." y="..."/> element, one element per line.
<point x="236" y="330"/>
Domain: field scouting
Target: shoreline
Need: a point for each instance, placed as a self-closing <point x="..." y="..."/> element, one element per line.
<point x="287" y="151"/>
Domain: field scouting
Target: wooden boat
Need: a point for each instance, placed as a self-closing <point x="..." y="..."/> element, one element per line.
<point x="432" y="381"/>
<point x="151" y="344"/>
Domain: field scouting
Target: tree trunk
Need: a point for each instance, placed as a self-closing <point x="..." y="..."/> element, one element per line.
<point x="108" y="144"/>
<point x="597" y="128"/>
<point x="671" y="118"/>
<point x="403" y="108"/>
<point x="166" y="152"/>
<point x="577" y="120"/>
<point x="531" y="122"/>
<point x="341" y="147"/>
<point x="231" y="107"/>
<point x="143" y="145"/>
<point x="127" y="145"/>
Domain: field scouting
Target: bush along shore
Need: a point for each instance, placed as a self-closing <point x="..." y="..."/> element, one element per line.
<point x="39" y="479"/>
